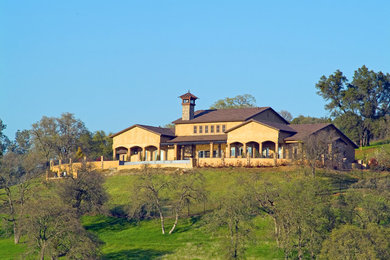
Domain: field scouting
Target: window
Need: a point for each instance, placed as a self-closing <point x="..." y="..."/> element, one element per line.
<point x="212" y="129"/>
<point x="204" y="154"/>
<point x="206" y="129"/>
<point x="218" y="128"/>
<point x="223" y="128"/>
<point x="195" y="129"/>
<point x="185" y="100"/>
<point x="200" y="129"/>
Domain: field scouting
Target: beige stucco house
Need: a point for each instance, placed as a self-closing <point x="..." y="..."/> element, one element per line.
<point x="215" y="137"/>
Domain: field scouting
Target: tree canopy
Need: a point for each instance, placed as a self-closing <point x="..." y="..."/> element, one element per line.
<point x="239" y="101"/>
<point x="360" y="103"/>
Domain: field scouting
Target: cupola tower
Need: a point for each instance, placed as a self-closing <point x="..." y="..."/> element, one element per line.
<point x="188" y="106"/>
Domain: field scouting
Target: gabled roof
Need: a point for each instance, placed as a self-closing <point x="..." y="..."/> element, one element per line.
<point x="223" y="115"/>
<point x="276" y="126"/>
<point x="157" y="130"/>
<point x="305" y="130"/>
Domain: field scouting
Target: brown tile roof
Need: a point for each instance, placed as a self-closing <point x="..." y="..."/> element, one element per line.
<point x="304" y="130"/>
<point x="188" y="95"/>
<point x="223" y="115"/>
<point x="158" y="130"/>
<point x="278" y="126"/>
<point x="198" y="138"/>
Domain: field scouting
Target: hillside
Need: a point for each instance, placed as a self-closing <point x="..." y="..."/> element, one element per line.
<point x="368" y="152"/>
<point x="122" y="239"/>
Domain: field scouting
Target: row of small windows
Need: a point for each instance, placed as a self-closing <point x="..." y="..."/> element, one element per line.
<point x="212" y="128"/>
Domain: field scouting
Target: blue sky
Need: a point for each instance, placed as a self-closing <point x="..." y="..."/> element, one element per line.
<point x="117" y="63"/>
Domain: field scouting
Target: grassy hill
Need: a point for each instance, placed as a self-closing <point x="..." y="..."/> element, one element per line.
<point x="192" y="240"/>
<point x="368" y="152"/>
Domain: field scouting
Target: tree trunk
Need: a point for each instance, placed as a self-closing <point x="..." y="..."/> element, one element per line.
<point x="42" y="253"/>
<point x="162" y="222"/>
<point x="16" y="234"/>
<point x="276" y="231"/>
<point x="174" y="224"/>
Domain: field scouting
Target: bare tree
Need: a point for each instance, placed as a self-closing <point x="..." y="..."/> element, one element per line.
<point x="318" y="148"/>
<point x="16" y="171"/>
<point x="186" y="187"/>
<point x="234" y="217"/>
<point x="154" y="191"/>
<point x="85" y="193"/>
<point x="53" y="229"/>
<point x="286" y="115"/>
<point x="57" y="137"/>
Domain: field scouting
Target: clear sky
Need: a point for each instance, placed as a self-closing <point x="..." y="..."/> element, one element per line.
<point x="117" y="63"/>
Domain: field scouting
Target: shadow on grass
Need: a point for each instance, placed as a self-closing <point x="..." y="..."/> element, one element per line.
<point x="193" y="220"/>
<point x="110" y="224"/>
<point x="136" y="254"/>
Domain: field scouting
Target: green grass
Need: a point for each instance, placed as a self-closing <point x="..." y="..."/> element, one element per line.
<point x="192" y="239"/>
<point x="368" y="152"/>
<point x="8" y="250"/>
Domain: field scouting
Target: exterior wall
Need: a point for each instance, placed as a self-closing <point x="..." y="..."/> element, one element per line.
<point x="350" y="153"/>
<point x="75" y="167"/>
<point x="136" y="137"/>
<point x="170" y="153"/>
<point x="269" y="115"/>
<point x="240" y="162"/>
<point x="185" y="165"/>
<point x="253" y="132"/>
<point x="347" y="150"/>
<point x="188" y="129"/>
<point x="187" y="111"/>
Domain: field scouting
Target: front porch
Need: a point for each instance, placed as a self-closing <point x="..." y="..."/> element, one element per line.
<point x="211" y="153"/>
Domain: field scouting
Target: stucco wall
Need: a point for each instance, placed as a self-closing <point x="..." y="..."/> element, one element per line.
<point x="253" y="132"/>
<point x="188" y="129"/>
<point x="136" y="137"/>
<point x="240" y="162"/>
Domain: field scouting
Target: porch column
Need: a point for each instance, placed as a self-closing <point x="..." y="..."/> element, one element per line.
<point x="114" y="154"/>
<point x="159" y="153"/>
<point x="182" y="152"/>
<point x="128" y="155"/>
<point x="276" y="150"/>
<point x="261" y="149"/>
<point x="175" y="152"/>
<point x="143" y="154"/>
<point x="228" y="150"/>
<point x="211" y="149"/>
<point x="245" y="152"/>
<point x="254" y="152"/>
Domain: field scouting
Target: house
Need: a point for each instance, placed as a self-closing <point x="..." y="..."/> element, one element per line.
<point x="215" y="137"/>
